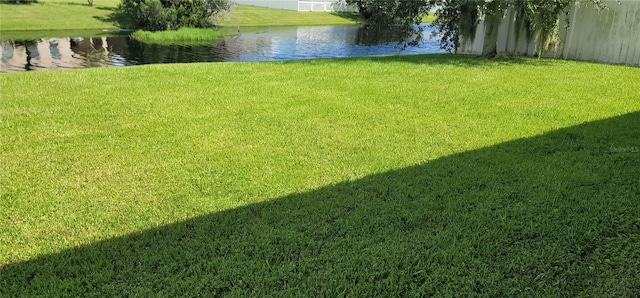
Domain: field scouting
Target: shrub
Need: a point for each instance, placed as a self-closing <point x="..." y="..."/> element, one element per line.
<point x="155" y="15"/>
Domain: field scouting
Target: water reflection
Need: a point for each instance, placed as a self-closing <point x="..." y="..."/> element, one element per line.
<point x="287" y="43"/>
<point x="54" y="53"/>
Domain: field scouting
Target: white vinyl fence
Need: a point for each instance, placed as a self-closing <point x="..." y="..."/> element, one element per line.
<point x="317" y="5"/>
<point x="611" y="35"/>
<point x="302" y="5"/>
<point x="280" y="4"/>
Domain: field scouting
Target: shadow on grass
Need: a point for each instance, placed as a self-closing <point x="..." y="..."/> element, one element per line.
<point x="462" y="60"/>
<point x="553" y="215"/>
<point x="116" y="18"/>
<point x="75" y="4"/>
<point x="351" y="16"/>
<point x="107" y="8"/>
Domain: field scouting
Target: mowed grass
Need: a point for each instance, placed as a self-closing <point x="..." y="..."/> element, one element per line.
<point x="58" y="15"/>
<point x="76" y="14"/>
<point x="388" y="176"/>
<point x="252" y="16"/>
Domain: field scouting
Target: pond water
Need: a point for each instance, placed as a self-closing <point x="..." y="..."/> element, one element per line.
<point x="267" y="44"/>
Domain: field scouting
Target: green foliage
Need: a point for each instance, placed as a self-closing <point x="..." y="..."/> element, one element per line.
<point x="543" y="18"/>
<point x="18" y="1"/>
<point x="396" y="16"/>
<point x="522" y="21"/>
<point x="540" y="19"/>
<point x="457" y="19"/>
<point x="154" y="15"/>
<point x="493" y="15"/>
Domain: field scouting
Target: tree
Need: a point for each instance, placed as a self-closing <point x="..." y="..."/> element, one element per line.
<point x="155" y="15"/>
<point x="458" y="19"/>
<point x="400" y="17"/>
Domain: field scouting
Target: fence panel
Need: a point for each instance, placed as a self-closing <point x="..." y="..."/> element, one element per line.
<point x="611" y="35"/>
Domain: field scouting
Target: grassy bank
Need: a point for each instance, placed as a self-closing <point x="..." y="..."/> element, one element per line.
<point x="29" y="21"/>
<point x="389" y="176"/>
<point x="58" y="15"/>
<point x="76" y="14"/>
<point x="38" y="34"/>
<point x="252" y="16"/>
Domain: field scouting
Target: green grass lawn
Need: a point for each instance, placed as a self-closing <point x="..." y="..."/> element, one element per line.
<point x="251" y="16"/>
<point x="58" y="15"/>
<point x="388" y="176"/>
<point x="76" y="14"/>
<point x="50" y="18"/>
<point x="429" y="18"/>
